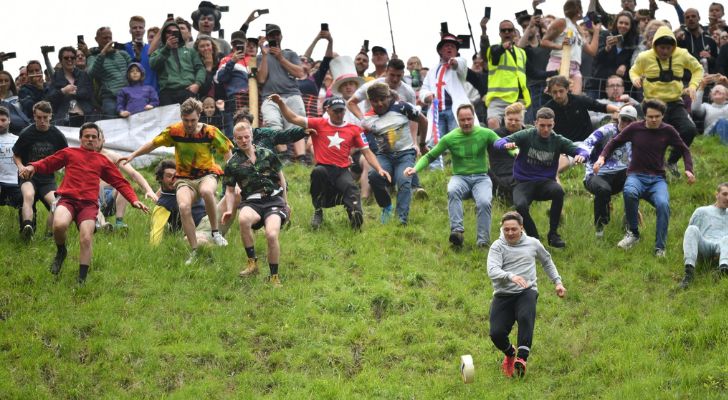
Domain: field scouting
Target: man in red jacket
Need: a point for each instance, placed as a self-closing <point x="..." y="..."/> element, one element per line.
<point x="78" y="194"/>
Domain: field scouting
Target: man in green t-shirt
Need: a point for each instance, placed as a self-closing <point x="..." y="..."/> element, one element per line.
<point x="468" y="146"/>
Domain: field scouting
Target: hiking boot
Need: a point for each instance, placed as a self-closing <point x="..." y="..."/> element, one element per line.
<point x="508" y="366"/>
<point x="27" y="232"/>
<point x="689" y="275"/>
<point x="252" y="268"/>
<point x="219" y="240"/>
<point x="629" y="240"/>
<point x="456" y="238"/>
<point x="275" y="281"/>
<point x="386" y="214"/>
<point x="420" y="193"/>
<point x="519" y="367"/>
<point x="674" y="171"/>
<point x="660" y="253"/>
<point x="555" y="240"/>
<point x="58" y="261"/>
<point x="317" y="219"/>
<point x="192" y="258"/>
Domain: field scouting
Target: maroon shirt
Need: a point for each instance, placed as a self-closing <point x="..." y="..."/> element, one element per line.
<point x="648" y="148"/>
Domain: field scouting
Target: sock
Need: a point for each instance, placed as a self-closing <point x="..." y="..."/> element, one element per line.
<point x="523" y="352"/>
<point x="82" y="272"/>
<point x="214" y="231"/>
<point x="250" y="252"/>
<point x="273" y="268"/>
<point x="28" y="222"/>
<point x="60" y="247"/>
<point x="636" y="232"/>
<point x="511" y="351"/>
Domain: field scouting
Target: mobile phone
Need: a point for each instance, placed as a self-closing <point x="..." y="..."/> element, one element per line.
<point x="223" y="8"/>
<point x="273" y="43"/>
<point x="538" y="12"/>
<point x="47" y="49"/>
<point x="240" y="47"/>
<point x="487" y="12"/>
<point x="119" y="46"/>
<point x="366" y="45"/>
<point x="263" y="11"/>
<point x="170" y="16"/>
<point x="443" y="28"/>
<point x="325" y="27"/>
<point x="221" y="33"/>
<point x="79" y="39"/>
<point x="7" y="56"/>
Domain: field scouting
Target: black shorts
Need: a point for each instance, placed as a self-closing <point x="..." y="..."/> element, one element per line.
<point x="41" y="189"/>
<point x="10" y="195"/>
<point x="266" y="207"/>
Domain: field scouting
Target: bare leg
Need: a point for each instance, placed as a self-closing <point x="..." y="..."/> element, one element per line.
<point x="86" y="241"/>
<point x="185" y="197"/>
<point x="207" y="192"/>
<point x="246" y="220"/>
<point x="49" y="198"/>
<point x="272" y="231"/>
<point x="28" y="191"/>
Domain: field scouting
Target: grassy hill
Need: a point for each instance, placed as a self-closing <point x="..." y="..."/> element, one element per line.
<point x="385" y="313"/>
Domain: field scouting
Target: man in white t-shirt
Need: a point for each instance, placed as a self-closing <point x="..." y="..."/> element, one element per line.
<point x="9" y="190"/>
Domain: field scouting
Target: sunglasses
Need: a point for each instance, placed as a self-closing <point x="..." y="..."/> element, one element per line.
<point x="507" y="30"/>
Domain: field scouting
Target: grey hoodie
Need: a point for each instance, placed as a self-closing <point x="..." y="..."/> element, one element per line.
<point x="506" y="261"/>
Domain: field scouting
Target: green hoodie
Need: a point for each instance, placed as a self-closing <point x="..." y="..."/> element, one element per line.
<point x="176" y="68"/>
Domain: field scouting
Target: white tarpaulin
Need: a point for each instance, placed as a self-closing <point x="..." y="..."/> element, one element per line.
<point x="124" y="135"/>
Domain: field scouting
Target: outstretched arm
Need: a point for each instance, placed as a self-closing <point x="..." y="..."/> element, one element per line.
<point x="287" y="113"/>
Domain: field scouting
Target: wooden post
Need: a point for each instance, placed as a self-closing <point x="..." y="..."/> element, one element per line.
<point x="566" y="56"/>
<point x="253" y="90"/>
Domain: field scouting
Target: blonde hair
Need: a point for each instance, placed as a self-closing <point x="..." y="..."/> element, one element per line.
<point x="516" y="108"/>
<point x="189" y="106"/>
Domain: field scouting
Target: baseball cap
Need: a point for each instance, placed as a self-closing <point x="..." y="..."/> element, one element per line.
<point x="379" y="48"/>
<point x="628" y="112"/>
<point x="270" y="28"/>
<point x="335" y="103"/>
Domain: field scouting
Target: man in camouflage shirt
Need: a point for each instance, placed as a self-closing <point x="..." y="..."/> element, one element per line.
<point x="257" y="172"/>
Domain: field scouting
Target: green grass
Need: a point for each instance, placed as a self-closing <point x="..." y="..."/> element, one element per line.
<point x="385" y="313"/>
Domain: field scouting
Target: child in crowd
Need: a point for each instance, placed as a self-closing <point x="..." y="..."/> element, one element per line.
<point x="212" y="112"/>
<point x="136" y="97"/>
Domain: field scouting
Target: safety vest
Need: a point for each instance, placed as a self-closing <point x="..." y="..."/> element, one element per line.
<point x="506" y="78"/>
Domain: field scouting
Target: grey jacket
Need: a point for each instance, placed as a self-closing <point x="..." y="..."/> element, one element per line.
<point x="506" y="261"/>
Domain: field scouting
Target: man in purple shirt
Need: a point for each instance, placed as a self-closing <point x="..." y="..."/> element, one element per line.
<point x="534" y="171"/>
<point x="646" y="172"/>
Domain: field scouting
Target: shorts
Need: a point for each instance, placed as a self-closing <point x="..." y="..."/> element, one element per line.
<point x="267" y="206"/>
<point x="497" y="108"/>
<point x="10" y="195"/>
<point x="81" y="210"/>
<point x="555" y="65"/>
<point x="41" y="189"/>
<point x="194" y="184"/>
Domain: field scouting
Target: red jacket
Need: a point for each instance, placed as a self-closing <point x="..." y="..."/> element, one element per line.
<point x="83" y="170"/>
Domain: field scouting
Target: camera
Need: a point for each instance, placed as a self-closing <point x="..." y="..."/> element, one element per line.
<point x="366" y="45"/>
<point x="262" y="11"/>
<point x="273" y="43"/>
<point x="119" y="46"/>
<point x="47" y="49"/>
<point x="666" y="76"/>
<point x="221" y="33"/>
<point x="594" y="17"/>
<point x="7" y="56"/>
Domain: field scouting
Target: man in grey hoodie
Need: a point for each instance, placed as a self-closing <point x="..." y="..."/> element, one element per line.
<point x="512" y="268"/>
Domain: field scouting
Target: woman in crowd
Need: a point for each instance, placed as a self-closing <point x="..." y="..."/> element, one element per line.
<point x="715" y="113"/>
<point x="71" y="91"/>
<point x="210" y="57"/>
<point x="615" y="53"/>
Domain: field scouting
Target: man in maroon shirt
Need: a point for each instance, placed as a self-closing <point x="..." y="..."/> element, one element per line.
<point x="79" y="192"/>
<point x="646" y="172"/>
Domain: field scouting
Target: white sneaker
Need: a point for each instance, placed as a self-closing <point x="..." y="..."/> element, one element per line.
<point x="600" y="233"/>
<point x="628" y="241"/>
<point x="219" y="239"/>
<point x="660" y="253"/>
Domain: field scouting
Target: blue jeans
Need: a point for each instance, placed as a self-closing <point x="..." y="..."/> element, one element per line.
<point x="654" y="190"/>
<point x="445" y="123"/>
<point x="394" y="163"/>
<point x="108" y="108"/>
<point x="480" y="188"/>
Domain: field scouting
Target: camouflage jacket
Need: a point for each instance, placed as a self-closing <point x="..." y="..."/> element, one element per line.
<point x="260" y="177"/>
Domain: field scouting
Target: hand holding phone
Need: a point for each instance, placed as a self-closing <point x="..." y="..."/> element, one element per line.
<point x="262" y="11"/>
<point x="325" y="27"/>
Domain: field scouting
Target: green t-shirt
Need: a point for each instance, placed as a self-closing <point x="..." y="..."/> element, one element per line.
<point x="469" y="151"/>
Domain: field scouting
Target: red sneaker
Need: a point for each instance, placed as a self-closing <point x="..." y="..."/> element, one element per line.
<point x="507" y="366"/>
<point x="520" y="367"/>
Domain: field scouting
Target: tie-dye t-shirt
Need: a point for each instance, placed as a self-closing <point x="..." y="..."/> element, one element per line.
<point x="193" y="153"/>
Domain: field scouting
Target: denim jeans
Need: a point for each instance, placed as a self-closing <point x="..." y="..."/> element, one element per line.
<point x="394" y="163"/>
<point x="108" y="108"/>
<point x="653" y="189"/>
<point x="480" y="188"/>
<point x="445" y="123"/>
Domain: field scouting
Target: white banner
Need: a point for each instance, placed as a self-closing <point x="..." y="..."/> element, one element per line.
<point x="124" y="135"/>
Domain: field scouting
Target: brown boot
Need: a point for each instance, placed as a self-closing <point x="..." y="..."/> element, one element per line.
<point x="252" y="268"/>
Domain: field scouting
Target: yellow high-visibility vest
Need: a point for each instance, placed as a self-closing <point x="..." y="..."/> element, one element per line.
<point x="506" y="78"/>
